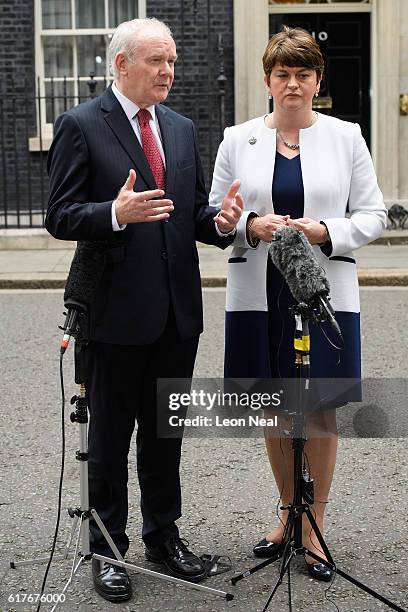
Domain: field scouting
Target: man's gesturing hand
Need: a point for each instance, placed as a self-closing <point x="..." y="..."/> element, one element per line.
<point x="139" y="207"/>
<point x="231" y="209"/>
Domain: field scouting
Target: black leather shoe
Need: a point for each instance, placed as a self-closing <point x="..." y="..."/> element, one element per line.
<point x="319" y="571"/>
<point x="111" y="581"/>
<point x="265" y="549"/>
<point x="178" y="559"/>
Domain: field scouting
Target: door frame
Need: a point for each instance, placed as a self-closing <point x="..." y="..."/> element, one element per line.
<point x="251" y="28"/>
<point x="334" y="7"/>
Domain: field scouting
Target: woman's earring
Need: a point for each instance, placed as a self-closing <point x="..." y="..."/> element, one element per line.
<point x="316" y="94"/>
<point x="270" y="97"/>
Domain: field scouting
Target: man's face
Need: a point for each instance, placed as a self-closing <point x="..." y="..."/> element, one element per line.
<point x="147" y="76"/>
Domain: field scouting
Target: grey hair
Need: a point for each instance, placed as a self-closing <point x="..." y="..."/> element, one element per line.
<point x="129" y="33"/>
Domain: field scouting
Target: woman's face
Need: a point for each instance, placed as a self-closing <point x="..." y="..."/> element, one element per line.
<point x="292" y="88"/>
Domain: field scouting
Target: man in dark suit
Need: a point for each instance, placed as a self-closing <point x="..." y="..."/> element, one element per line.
<point x="126" y="170"/>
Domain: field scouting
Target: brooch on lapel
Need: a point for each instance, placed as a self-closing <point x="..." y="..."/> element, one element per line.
<point x="252" y="141"/>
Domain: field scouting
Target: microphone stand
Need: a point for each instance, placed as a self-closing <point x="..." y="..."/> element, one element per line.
<point x="83" y="513"/>
<point x="303" y="492"/>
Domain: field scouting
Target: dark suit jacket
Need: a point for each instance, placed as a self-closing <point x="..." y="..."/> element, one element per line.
<point x="149" y="264"/>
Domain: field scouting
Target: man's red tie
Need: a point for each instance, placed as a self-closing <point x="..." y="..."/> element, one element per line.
<point x="151" y="150"/>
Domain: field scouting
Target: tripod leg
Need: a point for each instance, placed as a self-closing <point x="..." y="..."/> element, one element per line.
<point x="368" y="590"/>
<point x="76" y="551"/>
<point x="105" y="532"/>
<point x="257" y="567"/>
<point x="319" y="536"/>
<point x="71" y="537"/>
<point x="74" y="571"/>
<point x="76" y="566"/>
<point x="289" y="590"/>
<point x="64" y="555"/>
<point x="331" y="564"/>
<point x="284" y="569"/>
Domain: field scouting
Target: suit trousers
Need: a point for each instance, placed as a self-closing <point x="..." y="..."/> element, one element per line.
<point x="121" y="389"/>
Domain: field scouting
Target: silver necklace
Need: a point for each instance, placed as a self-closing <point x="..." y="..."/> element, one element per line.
<point x="294" y="147"/>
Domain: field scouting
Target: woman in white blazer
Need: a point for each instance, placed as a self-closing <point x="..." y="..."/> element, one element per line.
<point x="314" y="173"/>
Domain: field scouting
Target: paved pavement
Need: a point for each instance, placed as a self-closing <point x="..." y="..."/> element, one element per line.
<point x="228" y="492"/>
<point x="33" y="259"/>
<point x="229" y="498"/>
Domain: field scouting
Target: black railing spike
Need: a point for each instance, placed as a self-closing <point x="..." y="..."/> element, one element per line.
<point x="203" y="99"/>
<point x="64" y="87"/>
<point x="92" y="85"/>
<point x="222" y="81"/>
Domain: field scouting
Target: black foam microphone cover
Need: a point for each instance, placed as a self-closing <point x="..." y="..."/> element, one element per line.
<point x="294" y="257"/>
<point x="86" y="271"/>
<point x="84" y="276"/>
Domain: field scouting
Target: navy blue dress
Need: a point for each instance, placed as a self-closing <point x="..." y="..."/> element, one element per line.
<point x="268" y="336"/>
<point x="326" y="361"/>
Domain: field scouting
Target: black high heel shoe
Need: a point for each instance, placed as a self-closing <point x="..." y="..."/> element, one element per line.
<point x="265" y="549"/>
<point x="319" y="571"/>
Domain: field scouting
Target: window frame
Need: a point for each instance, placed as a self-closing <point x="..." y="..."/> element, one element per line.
<point x="43" y="139"/>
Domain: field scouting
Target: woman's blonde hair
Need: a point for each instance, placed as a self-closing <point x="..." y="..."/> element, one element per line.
<point x="293" y="47"/>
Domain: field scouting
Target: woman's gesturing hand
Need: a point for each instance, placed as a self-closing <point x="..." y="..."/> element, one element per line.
<point x="265" y="227"/>
<point x="314" y="231"/>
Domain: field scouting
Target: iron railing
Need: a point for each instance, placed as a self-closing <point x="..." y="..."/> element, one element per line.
<point x="25" y="116"/>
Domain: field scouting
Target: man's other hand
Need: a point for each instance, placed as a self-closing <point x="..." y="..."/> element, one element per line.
<point x="231" y="209"/>
<point x="142" y="206"/>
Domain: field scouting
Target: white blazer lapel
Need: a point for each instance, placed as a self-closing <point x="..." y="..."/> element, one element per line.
<point x="256" y="166"/>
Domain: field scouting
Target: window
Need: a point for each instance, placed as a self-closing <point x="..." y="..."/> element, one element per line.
<point x="72" y="38"/>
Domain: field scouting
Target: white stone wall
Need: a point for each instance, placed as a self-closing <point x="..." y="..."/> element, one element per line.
<point x="389" y="80"/>
<point x="251" y="33"/>
<point x="403" y="83"/>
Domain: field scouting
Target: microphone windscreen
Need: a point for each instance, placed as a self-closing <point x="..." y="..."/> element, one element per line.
<point x="85" y="273"/>
<point x="292" y="254"/>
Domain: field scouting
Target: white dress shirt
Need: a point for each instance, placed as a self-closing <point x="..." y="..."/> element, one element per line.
<point x="131" y="109"/>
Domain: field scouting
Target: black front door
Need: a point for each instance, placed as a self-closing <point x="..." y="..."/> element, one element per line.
<point x="344" y="39"/>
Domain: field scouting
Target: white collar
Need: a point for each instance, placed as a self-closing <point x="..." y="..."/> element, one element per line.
<point x="129" y="107"/>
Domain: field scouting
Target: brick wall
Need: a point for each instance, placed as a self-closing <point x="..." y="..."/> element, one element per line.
<point x="19" y="170"/>
<point x="17" y="39"/>
<point x="196" y="25"/>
